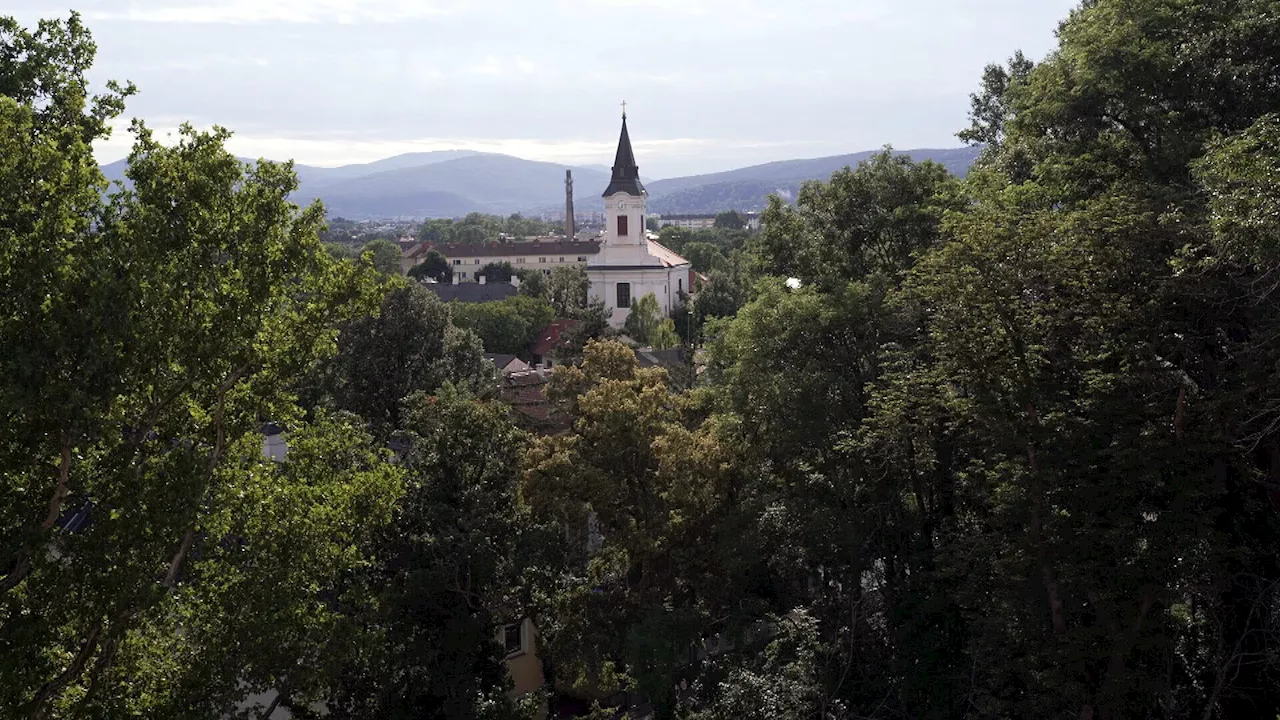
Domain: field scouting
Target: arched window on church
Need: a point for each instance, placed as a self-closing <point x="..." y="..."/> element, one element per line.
<point x="622" y="226"/>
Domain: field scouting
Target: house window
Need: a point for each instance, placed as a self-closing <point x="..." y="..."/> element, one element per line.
<point x="477" y="261"/>
<point x="624" y="295"/>
<point x="519" y="261"/>
<point x="512" y="639"/>
<point x="462" y="276"/>
<point x="542" y="260"/>
<point x="457" y="261"/>
<point x="561" y="259"/>
<point x="679" y="284"/>
<point x="622" y="226"/>
<point x="582" y="258"/>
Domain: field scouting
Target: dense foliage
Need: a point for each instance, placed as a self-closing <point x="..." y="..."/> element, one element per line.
<point x="1006" y="446"/>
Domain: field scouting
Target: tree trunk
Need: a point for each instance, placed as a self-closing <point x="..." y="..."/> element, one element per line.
<point x="1057" y="616"/>
<point x="22" y="567"/>
<point x="40" y="704"/>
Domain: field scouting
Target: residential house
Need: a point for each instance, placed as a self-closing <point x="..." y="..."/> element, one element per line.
<point x="504" y="365"/>
<point x="550" y="338"/>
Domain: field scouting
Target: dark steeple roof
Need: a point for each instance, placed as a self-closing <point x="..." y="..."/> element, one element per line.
<point x="626" y="175"/>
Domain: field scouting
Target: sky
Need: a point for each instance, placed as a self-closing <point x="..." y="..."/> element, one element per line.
<point x="709" y="84"/>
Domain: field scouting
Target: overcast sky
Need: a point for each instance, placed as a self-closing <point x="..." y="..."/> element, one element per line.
<point x="709" y="84"/>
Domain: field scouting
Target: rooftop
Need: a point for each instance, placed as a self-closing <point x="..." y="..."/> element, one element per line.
<point x="626" y="174"/>
<point x="468" y="292"/>
<point x="530" y="247"/>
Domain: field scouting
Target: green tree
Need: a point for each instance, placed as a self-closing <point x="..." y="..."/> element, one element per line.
<point x="437" y="231"/>
<point x="172" y="320"/>
<point x="644" y="320"/>
<point x="992" y="109"/>
<point x="590" y="323"/>
<point x="664" y="336"/>
<point x="496" y="272"/>
<point x="730" y="220"/>
<point x="410" y="346"/>
<point x="632" y="492"/>
<point x="567" y="288"/>
<point x="433" y="266"/>
<point x="303" y="530"/>
<point x="447" y="570"/>
<point x="673" y="237"/>
<point x="704" y="257"/>
<point x="384" y="255"/>
<point x="505" y="326"/>
<point x="534" y="284"/>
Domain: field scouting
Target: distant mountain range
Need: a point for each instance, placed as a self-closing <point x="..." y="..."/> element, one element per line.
<point x="452" y="183"/>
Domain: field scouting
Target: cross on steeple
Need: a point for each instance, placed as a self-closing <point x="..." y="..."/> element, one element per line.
<point x="624" y="109"/>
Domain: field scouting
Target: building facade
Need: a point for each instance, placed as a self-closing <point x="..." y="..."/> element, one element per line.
<point x="542" y="254"/>
<point x="629" y="265"/>
<point x="705" y="221"/>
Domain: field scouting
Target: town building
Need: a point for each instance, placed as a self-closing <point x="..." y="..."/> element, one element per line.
<point x="543" y="254"/>
<point x="630" y="265"/>
<point x="704" y="221"/>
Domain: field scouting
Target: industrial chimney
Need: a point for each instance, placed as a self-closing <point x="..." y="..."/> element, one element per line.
<point x="570" y="229"/>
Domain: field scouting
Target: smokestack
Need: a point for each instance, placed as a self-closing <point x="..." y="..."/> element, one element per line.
<point x="569" y="228"/>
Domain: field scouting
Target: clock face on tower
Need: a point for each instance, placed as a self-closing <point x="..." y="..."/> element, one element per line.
<point x="622" y="206"/>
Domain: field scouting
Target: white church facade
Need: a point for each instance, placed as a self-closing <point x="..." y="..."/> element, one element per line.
<point x="629" y="265"/>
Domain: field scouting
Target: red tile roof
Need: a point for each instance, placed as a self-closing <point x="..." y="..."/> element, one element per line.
<point x="549" y="337"/>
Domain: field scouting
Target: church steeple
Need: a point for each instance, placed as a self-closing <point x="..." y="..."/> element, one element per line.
<point x="626" y="175"/>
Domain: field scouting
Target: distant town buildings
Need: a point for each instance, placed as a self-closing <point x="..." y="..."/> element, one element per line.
<point x="704" y="221"/>
<point x="543" y="254"/>
<point x="625" y="263"/>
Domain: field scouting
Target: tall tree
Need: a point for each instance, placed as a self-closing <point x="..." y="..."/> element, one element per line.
<point x="434" y="266"/>
<point x="383" y="255"/>
<point x="411" y="345"/>
<point x="172" y="322"/>
<point x="447" y="571"/>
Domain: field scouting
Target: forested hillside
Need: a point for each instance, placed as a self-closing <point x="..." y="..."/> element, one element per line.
<point x="1005" y="446"/>
<point x="749" y="188"/>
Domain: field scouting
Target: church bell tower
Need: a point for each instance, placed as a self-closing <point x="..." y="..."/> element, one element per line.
<point x="625" y="199"/>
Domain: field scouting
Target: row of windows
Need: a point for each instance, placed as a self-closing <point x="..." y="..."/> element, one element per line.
<point x="521" y="261"/>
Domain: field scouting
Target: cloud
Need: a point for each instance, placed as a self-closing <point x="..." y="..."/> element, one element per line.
<point x="494" y="66"/>
<point x="276" y="11"/>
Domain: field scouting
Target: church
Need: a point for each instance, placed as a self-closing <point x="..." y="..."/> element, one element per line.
<point x="629" y="265"/>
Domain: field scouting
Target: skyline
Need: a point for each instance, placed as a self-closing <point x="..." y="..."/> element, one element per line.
<point x="710" y="85"/>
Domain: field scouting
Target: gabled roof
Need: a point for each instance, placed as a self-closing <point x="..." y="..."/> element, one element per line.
<point x="626" y="174"/>
<point x="660" y="358"/>
<point x="549" y="337"/>
<point x="668" y="256"/>
<point x="420" y="249"/>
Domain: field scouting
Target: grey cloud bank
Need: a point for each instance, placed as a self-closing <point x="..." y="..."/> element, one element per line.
<point x="710" y="84"/>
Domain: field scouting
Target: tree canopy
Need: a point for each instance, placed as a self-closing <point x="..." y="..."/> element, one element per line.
<point x="999" y="447"/>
